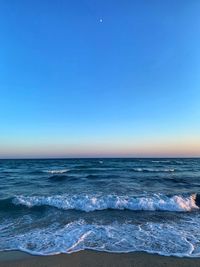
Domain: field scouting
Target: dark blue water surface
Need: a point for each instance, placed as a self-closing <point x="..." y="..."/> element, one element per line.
<point x="118" y="205"/>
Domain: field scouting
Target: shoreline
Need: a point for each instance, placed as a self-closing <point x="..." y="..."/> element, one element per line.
<point x="91" y="258"/>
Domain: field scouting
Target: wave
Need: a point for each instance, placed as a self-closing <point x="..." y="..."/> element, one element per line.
<point x="87" y="203"/>
<point x="103" y="176"/>
<point x="162" y="238"/>
<point x="56" y="171"/>
<point x="171" y="162"/>
<point x="6" y="204"/>
<point x="152" y="170"/>
<point x="161" y="161"/>
<point x="85" y="172"/>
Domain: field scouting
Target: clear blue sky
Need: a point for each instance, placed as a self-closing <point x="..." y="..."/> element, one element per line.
<point x="99" y="78"/>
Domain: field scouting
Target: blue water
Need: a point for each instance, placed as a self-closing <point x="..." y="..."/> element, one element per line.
<point x="117" y="205"/>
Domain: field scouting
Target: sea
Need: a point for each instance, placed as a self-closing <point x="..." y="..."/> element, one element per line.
<point x="52" y="206"/>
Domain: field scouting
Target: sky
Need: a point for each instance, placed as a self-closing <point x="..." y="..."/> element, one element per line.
<point x="99" y="78"/>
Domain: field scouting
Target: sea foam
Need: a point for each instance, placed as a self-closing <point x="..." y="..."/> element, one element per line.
<point x="78" y="235"/>
<point x="87" y="203"/>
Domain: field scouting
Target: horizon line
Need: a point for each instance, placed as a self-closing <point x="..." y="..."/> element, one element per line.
<point x="61" y="158"/>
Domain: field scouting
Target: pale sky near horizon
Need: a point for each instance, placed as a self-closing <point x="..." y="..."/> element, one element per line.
<point x="89" y="78"/>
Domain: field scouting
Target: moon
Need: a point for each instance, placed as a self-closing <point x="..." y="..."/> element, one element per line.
<point x="100" y="20"/>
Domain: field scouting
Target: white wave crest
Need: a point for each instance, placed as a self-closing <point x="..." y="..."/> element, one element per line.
<point x="156" y="202"/>
<point x="152" y="170"/>
<point x="57" y="171"/>
<point x="161" y="161"/>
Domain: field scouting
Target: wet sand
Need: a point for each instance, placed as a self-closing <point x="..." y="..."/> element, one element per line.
<point x="94" y="259"/>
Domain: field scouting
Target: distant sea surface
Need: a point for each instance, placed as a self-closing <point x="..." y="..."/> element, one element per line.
<point x="118" y="205"/>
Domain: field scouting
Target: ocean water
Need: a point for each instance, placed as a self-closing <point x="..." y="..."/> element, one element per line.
<point x="118" y="205"/>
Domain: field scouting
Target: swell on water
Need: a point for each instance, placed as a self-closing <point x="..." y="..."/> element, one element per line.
<point x="152" y="170"/>
<point x="87" y="203"/>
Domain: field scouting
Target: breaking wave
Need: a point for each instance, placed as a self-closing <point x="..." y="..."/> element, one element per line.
<point x="87" y="203"/>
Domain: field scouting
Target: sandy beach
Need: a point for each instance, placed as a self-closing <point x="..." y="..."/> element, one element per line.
<point x="94" y="259"/>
